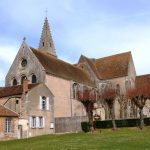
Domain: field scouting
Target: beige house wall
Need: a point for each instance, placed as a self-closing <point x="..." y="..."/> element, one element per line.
<point x="11" y="135"/>
<point x="61" y="91"/>
<point x="64" y="104"/>
<point x="34" y="110"/>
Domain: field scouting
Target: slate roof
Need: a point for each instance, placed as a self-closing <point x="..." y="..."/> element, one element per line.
<point x="5" y="112"/>
<point x="142" y="80"/>
<point x="113" y="66"/>
<point x="61" y="69"/>
<point x="14" y="90"/>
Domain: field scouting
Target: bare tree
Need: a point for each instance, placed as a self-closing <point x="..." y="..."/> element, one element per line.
<point x="88" y="97"/>
<point x="139" y="95"/>
<point x="109" y="95"/>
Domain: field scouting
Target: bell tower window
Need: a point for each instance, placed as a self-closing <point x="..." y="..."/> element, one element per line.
<point x="43" y="44"/>
<point x="14" y="82"/>
<point x="34" y="79"/>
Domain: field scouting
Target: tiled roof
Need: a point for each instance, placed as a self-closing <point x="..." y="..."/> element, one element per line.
<point x="5" y="112"/>
<point x="13" y="90"/>
<point x="142" y="80"/>
<point x="90" y="63"/>
<point x="61" y="69"/>
<point x="113" y="66"/>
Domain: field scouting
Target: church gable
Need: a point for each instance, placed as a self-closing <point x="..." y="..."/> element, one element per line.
<point x="25" y="65"/>
<point x="88" y="65"/>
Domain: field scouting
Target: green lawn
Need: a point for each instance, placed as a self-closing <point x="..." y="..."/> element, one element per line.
<point x="122" y="139"/>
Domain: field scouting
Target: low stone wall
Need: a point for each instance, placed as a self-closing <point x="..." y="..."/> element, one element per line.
<point x="69" y="124"/>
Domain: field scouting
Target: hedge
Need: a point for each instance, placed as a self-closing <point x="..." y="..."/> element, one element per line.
<point x="120" y="123"/>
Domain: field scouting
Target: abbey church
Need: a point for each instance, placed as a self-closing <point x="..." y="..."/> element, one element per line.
<point x="39" y="96"/>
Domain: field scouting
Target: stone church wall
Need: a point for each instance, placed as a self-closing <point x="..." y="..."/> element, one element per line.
<point x="33" y="67"/>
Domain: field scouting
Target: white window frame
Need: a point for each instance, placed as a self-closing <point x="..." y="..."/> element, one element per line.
<point x="41" y="122"/>
<point x="33" y="122"/>
<point x="44" y="104"/>
<point x="8" y="125"/>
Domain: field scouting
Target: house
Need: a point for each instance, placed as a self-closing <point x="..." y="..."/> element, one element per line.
<point x="8" y="123"/>
<point x="34" y="105"/>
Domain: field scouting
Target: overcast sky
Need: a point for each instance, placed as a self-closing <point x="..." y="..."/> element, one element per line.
<point x="95" y="28"/>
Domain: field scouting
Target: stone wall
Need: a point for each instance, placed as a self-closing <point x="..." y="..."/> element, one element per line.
<point x="69" y="124"/>
<point x="33" y="67"/>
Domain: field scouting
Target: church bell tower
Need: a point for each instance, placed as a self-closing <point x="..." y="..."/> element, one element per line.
<point x="46" y="42"/>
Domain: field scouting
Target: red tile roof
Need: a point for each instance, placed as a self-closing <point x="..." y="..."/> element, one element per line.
<point x="61" y="69"/>
<point x="142" y="80"/>
<point x="5" y="112"/>
<point x="113" y="66"/>
<point x="14" y="90"/>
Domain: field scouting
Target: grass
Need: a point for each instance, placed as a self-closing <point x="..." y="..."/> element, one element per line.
<point x="106" y="139"/>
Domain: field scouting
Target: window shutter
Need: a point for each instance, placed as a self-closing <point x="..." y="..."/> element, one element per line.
<point x="43" y="122"/>
<point x="47" y="103"/>
<point x="37" y="122"/>
<point x="30" y="122"/>
<point x="40" y="102"/>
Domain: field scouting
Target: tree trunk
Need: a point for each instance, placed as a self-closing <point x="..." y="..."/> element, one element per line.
<point x="113" y="118"/>
<point x="121" y="111"/>
<point x="141" y="119"/>
<point x="90" y="116"/>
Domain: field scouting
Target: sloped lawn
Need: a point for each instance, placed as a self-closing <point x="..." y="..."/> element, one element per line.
<point x="106" y="139"/>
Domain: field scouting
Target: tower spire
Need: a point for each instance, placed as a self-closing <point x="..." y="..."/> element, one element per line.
<point x="46" y="42"/>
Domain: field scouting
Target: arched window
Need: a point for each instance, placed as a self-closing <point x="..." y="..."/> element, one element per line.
<point x="75" y="88"/>
<point x="118" y="89"/>
<point x="23" y="78"/>
<point x="128" y="85"/>
<point x="34" y="79"/>
<point x="14" y="82"/>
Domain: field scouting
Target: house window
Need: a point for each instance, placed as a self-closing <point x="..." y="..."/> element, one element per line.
<point x="40" y="122"/>
<point x="8" y="125"/>
<point x="34" y="78"/>
<point x="43" y="102"/>
<point x="33" y="122"/>
<point x="23" y="78"/>
<point x="14" y="82"/>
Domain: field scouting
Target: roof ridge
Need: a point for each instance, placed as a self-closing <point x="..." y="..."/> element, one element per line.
<point x="128" y="52"/>
<point x="143" y="75"/>
<point x="46" y="53"/>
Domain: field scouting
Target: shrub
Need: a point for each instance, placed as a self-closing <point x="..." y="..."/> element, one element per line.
<point x="120" y="123"/>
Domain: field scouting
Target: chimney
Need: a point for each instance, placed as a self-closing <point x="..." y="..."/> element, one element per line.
<point x="25" y="86"/>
